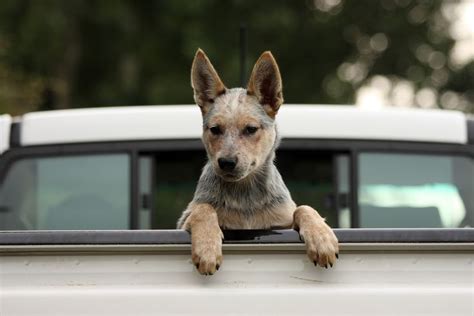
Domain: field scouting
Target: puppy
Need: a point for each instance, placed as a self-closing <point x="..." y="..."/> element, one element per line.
<point x="240" y="187"/>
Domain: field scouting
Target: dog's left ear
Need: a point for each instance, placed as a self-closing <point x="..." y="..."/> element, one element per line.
<point x="265" y="83"/>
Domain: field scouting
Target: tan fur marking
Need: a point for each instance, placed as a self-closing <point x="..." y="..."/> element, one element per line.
<point x="280" y="217"/>
<point x="233" y="142"/>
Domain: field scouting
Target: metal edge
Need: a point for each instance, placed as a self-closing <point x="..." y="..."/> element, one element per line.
<point x="185" y="249"/>
<point x="470" y="130"/>
<point x="289" y="236"/>
<point x="15" y="135"/>
<point x="5" y="131"/>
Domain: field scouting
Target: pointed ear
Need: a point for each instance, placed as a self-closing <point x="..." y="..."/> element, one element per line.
<point x="265" y="83"/>
<point x="205" y="81"/>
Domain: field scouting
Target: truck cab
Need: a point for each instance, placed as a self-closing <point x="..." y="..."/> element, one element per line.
<point x="137" y="167"/>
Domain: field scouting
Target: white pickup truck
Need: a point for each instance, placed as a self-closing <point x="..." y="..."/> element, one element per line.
<point x="89" y="200"/>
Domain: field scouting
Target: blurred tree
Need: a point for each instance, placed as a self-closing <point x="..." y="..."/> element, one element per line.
<point x="80" y="53"/>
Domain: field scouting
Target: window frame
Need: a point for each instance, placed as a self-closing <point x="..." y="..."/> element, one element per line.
<point x="137" y="148"/>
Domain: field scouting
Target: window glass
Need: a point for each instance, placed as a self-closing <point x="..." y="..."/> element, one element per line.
<point x="176" y="177"/>
<point x="408" y="190"/>
<point x="80" y="192"/>
<point x="309" y="176"/>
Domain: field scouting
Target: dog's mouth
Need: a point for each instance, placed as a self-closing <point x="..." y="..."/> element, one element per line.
<point x="231" y="177"/>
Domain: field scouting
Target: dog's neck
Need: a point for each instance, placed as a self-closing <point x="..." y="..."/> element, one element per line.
<point x="262" y="190"/>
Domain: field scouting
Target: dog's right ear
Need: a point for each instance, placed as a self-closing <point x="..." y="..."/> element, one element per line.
<point x="205" y="81"/>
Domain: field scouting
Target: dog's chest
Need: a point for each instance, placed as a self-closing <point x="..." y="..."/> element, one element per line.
<point x="279" y="216"/>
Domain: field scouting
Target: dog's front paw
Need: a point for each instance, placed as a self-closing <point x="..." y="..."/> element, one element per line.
<point x="321" y="244"/>
<point x="207" y="252"/>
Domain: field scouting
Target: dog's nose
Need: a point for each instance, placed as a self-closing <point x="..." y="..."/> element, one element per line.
<point x="227" y="164"/>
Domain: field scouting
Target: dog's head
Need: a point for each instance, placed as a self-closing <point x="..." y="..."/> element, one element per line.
<point x="238" y="124"/>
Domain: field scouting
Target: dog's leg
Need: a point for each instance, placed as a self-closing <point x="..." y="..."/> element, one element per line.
<point x="321" y="243"/>
<point x="206" y="237"/>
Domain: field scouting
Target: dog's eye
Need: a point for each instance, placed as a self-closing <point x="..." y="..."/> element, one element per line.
<point x="216" y="130"/>
<point x="249" y="130"/>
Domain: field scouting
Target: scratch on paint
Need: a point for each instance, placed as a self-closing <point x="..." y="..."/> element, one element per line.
<point x="304" y="279"/>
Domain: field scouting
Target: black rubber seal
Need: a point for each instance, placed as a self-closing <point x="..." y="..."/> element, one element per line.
<point x="160" y="237"/>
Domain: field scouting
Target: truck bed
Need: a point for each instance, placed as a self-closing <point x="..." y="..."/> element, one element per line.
<point x="380" y="271"/>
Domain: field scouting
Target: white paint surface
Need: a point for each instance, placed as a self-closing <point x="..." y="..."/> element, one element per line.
<point x="389" y="281"/>
<point x="342" y="122"/>
<point x="5" y="124"/>
<point x="297" y="121"/>
<point x="111" y="124"/>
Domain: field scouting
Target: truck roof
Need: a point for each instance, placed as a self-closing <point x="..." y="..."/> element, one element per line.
<point x="184" y="122"/>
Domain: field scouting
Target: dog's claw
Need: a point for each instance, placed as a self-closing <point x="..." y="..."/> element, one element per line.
<point x="337" y="255"/>
<point x="330" y="264"/>
<point x="217" y="267"/>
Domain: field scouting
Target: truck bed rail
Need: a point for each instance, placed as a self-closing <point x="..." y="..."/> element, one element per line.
<point x="288" y="236"/>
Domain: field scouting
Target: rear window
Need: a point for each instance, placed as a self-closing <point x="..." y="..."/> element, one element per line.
<point x="394" y="190"/>
<point x="311" y="176"/>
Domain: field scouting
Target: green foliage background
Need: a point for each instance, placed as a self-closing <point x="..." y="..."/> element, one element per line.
<point x="87" y="53"/>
